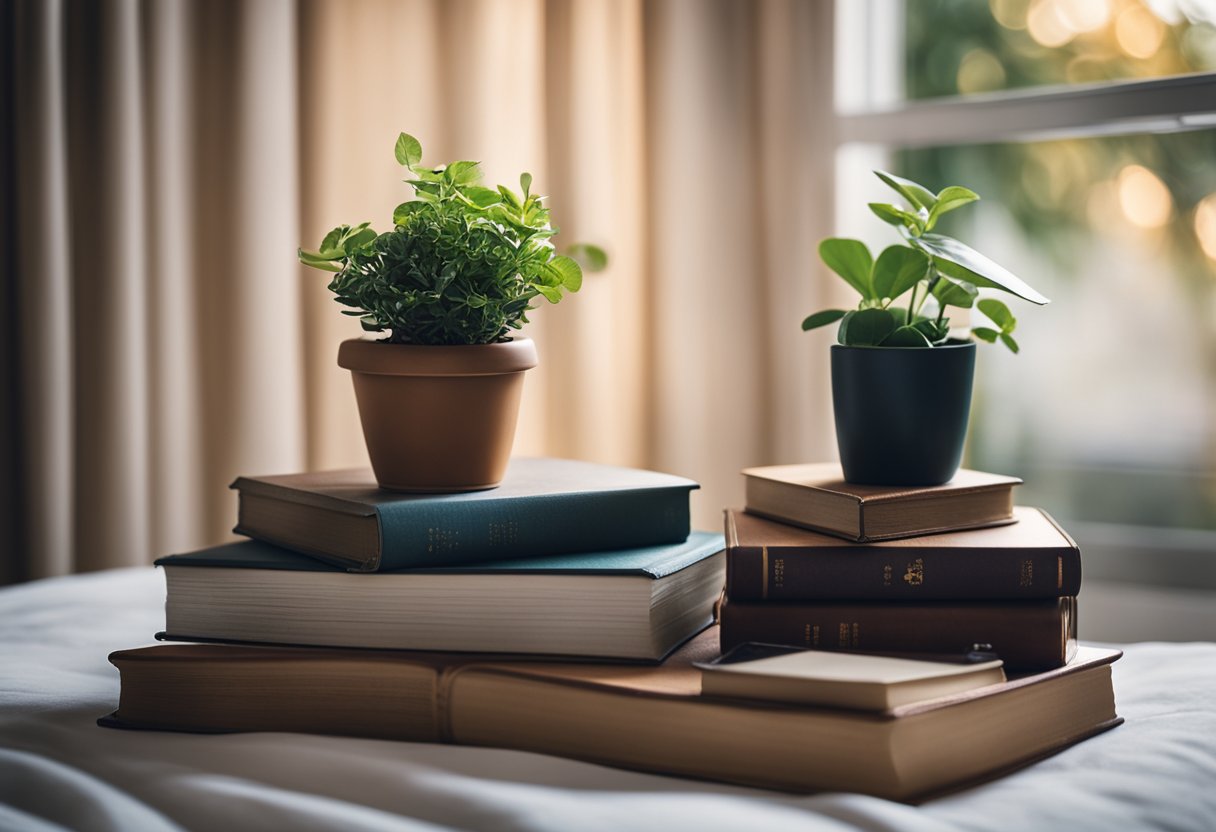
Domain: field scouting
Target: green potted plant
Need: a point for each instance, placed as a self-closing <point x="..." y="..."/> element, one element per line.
<point x="901" y="380"/>
<point x="439" y="394"/>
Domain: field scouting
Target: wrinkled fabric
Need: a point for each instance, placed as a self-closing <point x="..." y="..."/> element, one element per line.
<point x="58" y="770"/>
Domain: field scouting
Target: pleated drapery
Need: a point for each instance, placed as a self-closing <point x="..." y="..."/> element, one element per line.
<point x="163" y="160"/>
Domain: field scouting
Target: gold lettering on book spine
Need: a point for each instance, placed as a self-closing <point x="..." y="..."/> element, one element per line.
<point x="763" y="571"/>
<point x="810" y="635"/>
<point x="915" y="574"/>
<point x="1026" y="577"/>
<point x="1059" y="571"/>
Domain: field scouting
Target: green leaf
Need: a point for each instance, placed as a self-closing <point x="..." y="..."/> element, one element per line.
<point x="402" y="211"/>
<point x="985" y="334"/>
<point x="851" y="260"/>
<point x="823" y="318"/>
<point x="888" y="213"/>
<point x="569" y="273"/>
<point x="591" y="258"/>
<point x="898" y="269"/>
<point x="998" y="313"/>
<point x="551" y="293"/>
<point x="897" y="216"/>
<point x="510" y="197"/>
<point x="1008" y="341"/>
<point x="917" y="195"/>
<point x="481" y="196"/>
<point x="316" y="261"/>
<point x="462" y="173"/>
<point x="952" y="292"/>
<point x="408" y="150"/>
<point x="428" y="174"/>
<point x="358" y="240"/>
<point x="867" y="327"/>
<point x="906" y="336"/>
<point x="932" y="330"/>
<point x="965" y="263"/>
<point x="525" y="183"/>
<point x="949" y="199"/>
<point x="330" y="242"/>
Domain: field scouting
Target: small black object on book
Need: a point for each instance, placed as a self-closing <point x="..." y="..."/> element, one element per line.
<point x="753" y="650"/>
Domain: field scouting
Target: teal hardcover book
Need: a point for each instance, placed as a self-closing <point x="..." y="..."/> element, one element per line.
<point x="635" y="604"/>
<point x="543" y="507"/>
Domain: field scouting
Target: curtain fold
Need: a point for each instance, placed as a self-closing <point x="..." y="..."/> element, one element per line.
<point x="167" y="158"/>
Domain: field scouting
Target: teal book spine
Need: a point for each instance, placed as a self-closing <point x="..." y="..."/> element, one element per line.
<point x="416" y="534"/>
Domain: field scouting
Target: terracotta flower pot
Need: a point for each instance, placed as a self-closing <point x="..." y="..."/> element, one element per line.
<point x="438" y="418"/>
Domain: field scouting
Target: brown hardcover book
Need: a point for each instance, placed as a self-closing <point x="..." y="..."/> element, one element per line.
<point x="1031" y="559"/>
<point x="648" y="718"/>
<point x="816" y="496"/>
<point x="1027" y="635"/>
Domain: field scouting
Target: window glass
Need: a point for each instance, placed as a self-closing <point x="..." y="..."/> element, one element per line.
<point x="1109" y="411"/>
<point x="964" y="47"/>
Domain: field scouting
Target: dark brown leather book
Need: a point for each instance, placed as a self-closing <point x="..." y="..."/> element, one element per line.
<point x="815" y="496"/>
<point x="1027" y="635"/>
<point x="1031" y="559"/>
<point x="652" y="718"/>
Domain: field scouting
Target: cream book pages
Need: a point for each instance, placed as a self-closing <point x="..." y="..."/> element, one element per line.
<point x="846" y="680"/>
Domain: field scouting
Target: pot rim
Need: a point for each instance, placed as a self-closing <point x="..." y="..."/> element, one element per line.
<point x="951" y="344"/>
<point x="381" y="358"/>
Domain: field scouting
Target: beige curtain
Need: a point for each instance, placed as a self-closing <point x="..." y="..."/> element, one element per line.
<point x="163" y="160"/>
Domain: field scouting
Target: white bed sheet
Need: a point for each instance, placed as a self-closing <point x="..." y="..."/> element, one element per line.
<point x="59" y="770"/>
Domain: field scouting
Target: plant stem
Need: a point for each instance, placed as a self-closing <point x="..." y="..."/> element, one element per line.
<point x="941" y="307"/>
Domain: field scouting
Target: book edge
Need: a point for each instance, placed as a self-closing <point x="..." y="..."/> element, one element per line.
<point x="1008" y="521"/>
<point x="916" y="493"/>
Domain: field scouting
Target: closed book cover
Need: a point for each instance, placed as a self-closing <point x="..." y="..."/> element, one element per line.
<point x="816" y="496"/>
<point x="636" y="604"/>
<point x="1031" y="559"/>
<point x="859" y="681"/>
<point x="543" y="507"/>
<point x="652" y="718"/>
<point x="1026" y="635"/>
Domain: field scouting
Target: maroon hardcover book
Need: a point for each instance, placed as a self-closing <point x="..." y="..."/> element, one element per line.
<point x="1027" y="635"/>
<point x="1030" y="559"/>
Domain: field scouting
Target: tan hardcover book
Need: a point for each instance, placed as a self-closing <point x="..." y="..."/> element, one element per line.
<point x="652" y="718"/>
<point x="843" y="680"/>
<point x="816" y="496"/>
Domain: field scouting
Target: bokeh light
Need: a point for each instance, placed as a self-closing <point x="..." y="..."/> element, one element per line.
<point x="1010" y="13"/>
<point x="1205" y="225"/>
<point x="1139" y="32"/>
<point x="1145" y="200"/>
<point x="1047" y="26"/>
<point x="980" y="71"/>
<point x="1084" y="15"/>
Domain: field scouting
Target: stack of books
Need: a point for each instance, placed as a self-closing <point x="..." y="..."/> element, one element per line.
<point x="537" y="617"/>
<point x="820" y="563"/>
<point x="564" y="558"/>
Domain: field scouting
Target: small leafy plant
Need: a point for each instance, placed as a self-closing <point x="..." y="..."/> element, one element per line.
<point x="938" y="272"/>
<point x="462" y="265"/>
